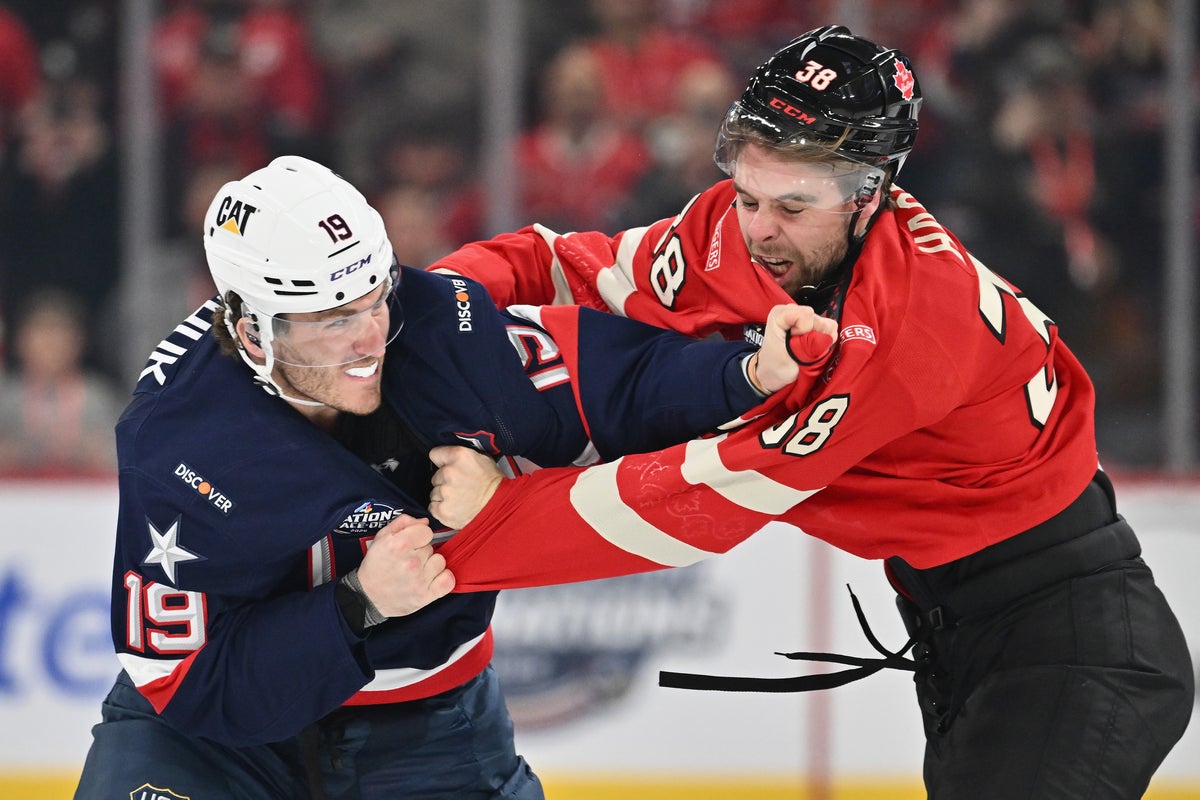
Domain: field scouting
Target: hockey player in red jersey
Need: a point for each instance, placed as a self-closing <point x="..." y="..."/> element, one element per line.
<point x="951" y="435"/>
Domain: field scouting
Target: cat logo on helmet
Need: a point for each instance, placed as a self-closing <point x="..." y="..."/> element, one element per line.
<point x="233" y="216"/>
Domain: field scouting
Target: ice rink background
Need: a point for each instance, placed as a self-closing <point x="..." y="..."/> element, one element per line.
<point x="580" y="663"/>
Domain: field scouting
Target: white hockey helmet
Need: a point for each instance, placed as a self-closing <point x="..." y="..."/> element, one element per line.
<point x="293" y="238"/>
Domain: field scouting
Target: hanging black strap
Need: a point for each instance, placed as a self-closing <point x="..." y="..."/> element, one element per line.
<point x="863" y="667"/>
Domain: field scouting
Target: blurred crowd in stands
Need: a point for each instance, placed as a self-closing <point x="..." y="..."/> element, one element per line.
<point x="1041" y="147"/>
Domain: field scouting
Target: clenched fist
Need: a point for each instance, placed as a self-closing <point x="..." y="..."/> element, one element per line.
<point x="400" y="572"/>
<point x="794" y="335"/>
<point x="466" y="479"/>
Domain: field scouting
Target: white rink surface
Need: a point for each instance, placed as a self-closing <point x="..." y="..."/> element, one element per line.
<point x="780" y="590"/>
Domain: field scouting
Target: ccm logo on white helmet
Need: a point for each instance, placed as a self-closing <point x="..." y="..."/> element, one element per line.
<point x="233" y="216"/>
<point x="349" y="268"/>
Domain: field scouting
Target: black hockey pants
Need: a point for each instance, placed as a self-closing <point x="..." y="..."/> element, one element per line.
<point x="1049" y="665"/>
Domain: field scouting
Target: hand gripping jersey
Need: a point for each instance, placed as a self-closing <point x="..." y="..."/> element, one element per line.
<point x="237" y="515"/>
<point x="949" y="417"/>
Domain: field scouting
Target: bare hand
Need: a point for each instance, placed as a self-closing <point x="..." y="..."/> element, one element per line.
<point x="778" y="361"/>
<point x="400" y="572"/>
<point x="465" y="481"/>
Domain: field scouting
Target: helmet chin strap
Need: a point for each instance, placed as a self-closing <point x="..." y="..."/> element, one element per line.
<point x="854" y="242"/>
<point x="854" y="245"/>
<point x="263" y="373"/>
<point x="270" y="387"/>
<point x="263" y="377"/>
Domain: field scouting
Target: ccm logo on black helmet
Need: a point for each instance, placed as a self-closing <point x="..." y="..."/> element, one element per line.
<point x="792" y="111"/>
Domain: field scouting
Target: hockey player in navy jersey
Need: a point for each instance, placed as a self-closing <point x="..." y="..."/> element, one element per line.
<point x="281" y="617"/>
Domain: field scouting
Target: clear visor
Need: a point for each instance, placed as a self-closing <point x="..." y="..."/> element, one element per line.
<point x="341" y="335"/>
<point x="809" y="175"/>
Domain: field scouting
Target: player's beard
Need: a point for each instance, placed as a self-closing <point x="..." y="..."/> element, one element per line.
<point x="796" y="270"/>
<point x="807" y="269"/>
<point x="332" y="387"/>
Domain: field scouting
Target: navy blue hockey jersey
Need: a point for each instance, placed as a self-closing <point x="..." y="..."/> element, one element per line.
<point x="237" y="515"/>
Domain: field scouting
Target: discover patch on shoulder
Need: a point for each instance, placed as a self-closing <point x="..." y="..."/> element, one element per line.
<point x="215" y="497"/>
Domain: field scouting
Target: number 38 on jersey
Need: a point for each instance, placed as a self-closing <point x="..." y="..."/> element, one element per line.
<point x="802" y="438"/>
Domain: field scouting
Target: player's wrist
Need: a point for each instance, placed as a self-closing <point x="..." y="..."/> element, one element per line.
<point x="750" y="370"/>
<point x="356" y="607"/>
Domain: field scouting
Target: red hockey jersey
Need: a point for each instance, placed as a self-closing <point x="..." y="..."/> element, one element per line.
<point x="949" y="416"/>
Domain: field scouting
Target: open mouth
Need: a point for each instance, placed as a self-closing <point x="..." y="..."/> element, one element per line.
<point x="776" y="266"/>
<point x="364" y="372"/>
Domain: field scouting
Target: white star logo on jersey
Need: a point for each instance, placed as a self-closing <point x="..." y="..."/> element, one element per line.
<point x="165" y="550"/>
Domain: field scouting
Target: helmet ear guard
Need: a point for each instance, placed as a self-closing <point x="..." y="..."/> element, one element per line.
<point x="870" y="187"/>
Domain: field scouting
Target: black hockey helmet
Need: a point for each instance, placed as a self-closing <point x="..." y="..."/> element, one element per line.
<point x="830" y="88"/>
